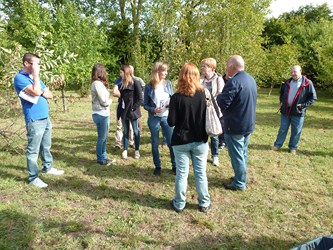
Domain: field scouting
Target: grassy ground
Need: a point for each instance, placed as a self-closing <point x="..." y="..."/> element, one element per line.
<point x="289" y="199"/>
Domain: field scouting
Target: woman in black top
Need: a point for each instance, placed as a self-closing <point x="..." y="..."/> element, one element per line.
<point x="187" y="112"/>
<point x="129" y="102"/>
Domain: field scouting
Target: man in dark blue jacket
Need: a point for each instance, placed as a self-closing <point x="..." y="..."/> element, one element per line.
<point x="296" y="94"/>
<point x="238" y="104"/>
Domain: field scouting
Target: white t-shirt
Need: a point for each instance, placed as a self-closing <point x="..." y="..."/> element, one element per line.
<point x="163" y="100"/>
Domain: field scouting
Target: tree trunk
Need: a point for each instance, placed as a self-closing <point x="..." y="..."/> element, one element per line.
<point x="64" y="105"/>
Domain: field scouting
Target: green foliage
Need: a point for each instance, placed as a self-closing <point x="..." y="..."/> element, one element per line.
<point x="278" y="65"/>
<point x="26" y="19"/>
<point x="310" y="13"/>
<point x="193" y="30"/>
<point x="80" y="36"/>
<point x="114" y="32"/>
<point x="62" y="34"/>
<point x="324" y="48"/>
<point x="307" y="32"/>
<point x="11" y="61"/>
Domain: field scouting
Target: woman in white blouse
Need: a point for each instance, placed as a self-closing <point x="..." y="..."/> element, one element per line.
<point x="101" y="111"/>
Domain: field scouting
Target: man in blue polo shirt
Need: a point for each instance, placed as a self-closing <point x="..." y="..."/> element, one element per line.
<point x="33" y="95"/>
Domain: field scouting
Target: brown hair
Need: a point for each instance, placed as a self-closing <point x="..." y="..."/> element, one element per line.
<point x="157" y="68"/>
<point x="98" y="73"/>
<point x="28" y="56"/>
<point x="128" y="73"/>
<point x="189" y="80"/>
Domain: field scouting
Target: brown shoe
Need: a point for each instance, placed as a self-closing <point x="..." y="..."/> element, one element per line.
<point x="292" y="151"/>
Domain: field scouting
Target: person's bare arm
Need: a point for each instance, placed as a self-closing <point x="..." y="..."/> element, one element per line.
<point x="35" y="89"/>
<point x="116" y="92"/>
<point x="47" y="93"/>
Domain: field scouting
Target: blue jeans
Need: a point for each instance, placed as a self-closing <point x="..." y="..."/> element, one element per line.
<point x="214" y="146"/>
<point x="238" y="152"/>
<point x="136" y="131"/>
<point x="154" y="124"/>
<point x="296" y="130"/>
<point x="39" y="135"/>
<point x="102" y="125"/>
<point x="197" y="152"/>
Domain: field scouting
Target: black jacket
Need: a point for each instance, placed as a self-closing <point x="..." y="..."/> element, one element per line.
<point x="132" y="97"/>
<point x="306" y="95"/>
<point x="187" y="114"/>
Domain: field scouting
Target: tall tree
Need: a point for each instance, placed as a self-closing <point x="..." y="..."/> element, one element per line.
<point x="64" y="31"/>
<point x="192" y="29"/>
<point x="307" y="31"/>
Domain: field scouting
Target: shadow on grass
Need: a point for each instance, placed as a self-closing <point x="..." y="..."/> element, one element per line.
<point x="70" y="149"/>
<point x="16" y="230"/>
<point x="300" y="152"/>
<point x="67" y="183"/>
<point x="235" y="242"/>
<point x="6" y="175"/>
<point x="105" y="191"/>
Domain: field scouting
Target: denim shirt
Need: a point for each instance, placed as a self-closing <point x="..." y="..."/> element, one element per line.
<point x="150" y="100"/>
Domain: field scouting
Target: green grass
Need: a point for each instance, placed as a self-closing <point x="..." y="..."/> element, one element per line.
<point x="289" y="199"/>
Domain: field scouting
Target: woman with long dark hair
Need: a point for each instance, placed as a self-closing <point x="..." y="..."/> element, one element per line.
<point x="101" y="111"/>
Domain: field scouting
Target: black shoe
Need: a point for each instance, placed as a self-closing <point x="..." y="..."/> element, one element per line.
<point x="204" y="209"/>
<point x="221" y="145"/>
<point x="232" y="188"/>
<point x="157" y="171"/>
<point x="174" y="171"/>
<point x="132" y="146"/>
<point x="176" y="209"/>
<point x="116" y="147"/>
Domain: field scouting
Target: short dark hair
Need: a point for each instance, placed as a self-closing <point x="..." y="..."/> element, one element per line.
<point x="28" y="56"/>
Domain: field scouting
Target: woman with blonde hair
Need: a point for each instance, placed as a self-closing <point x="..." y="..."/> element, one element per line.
<point x="129" y="102"/>
<point x="187" y="111"/>
<point x="156" y="101"/>
<point x="214" y="83"/>
<point x="101" y="111"/>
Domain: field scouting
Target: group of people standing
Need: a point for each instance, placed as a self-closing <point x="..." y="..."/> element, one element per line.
<point x="180" y="114"/>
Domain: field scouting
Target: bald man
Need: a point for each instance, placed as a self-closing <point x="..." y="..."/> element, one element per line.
<point x="238" y="105"/>
<point x="296" y="94"/>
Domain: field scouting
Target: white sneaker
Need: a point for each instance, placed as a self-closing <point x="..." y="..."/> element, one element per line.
<point x="110" y="161"/>
<point x="107" y="162"/>
<point x="216" y="161"/>
<point x="55" y="171"/>
<point x="137" y="154"/>
<point x="38" y="183"/>
<point x="124" y="154"/>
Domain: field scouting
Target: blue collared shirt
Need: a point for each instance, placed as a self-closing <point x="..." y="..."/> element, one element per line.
<point x="32" y="112"/>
